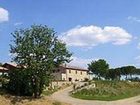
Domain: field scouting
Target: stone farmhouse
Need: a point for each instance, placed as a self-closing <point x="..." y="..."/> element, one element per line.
<point x="70" y="73"/>
<point x="62" y="73"/>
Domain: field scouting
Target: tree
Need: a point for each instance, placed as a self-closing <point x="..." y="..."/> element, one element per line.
<point x="37" y="51"/>
<point x="113" y="74"/>
<point x="128" y="70"/>
<point x="99" y="67"/>
<point x="131" y="70"/>
<point x="137" y="71"/>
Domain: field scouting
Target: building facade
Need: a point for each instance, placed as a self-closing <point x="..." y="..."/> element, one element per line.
<point x="62" y="73"/>
<point x="70" y="73"/>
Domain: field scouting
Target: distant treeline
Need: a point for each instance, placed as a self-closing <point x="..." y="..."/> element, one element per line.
<point x="101" y="70"/>
<point x="127" y="71"/>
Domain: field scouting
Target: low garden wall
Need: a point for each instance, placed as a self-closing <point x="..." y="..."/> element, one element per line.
<point x="60" y="83"/>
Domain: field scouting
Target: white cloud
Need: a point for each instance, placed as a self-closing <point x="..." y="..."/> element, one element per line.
<point x="4" y="15"/>
<point x="90" y="36"/>
<point x="134" y="19"/>
<point x="80" y="62"/>
<point x="18" y="23"/>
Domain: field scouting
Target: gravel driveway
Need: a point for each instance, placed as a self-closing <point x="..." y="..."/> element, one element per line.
<point x="63" y="96"/>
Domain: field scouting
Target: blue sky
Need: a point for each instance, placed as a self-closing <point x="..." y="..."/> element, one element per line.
<point x="92" y="29"/>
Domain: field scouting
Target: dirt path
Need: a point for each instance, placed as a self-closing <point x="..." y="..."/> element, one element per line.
<point x="63" y="96"/>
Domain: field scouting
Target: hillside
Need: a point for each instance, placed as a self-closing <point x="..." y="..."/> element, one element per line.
<point x="109" y="90"/>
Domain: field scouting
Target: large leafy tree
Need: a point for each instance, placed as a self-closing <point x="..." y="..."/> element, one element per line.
<point x="99" y="67"/>
<point x="37" y="51"/>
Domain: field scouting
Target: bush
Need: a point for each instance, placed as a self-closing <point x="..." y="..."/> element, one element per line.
<point x="20" y="83"/>
<point x="3" y="81"/>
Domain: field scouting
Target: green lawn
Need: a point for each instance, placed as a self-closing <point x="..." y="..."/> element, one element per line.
<point x="109" y="91"/>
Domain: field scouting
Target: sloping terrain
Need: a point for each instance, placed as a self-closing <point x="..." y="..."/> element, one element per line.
<point x="109" y="91"/>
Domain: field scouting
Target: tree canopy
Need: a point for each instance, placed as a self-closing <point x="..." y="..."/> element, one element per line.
<point x="99" y="67"/>
<point x="38" y="51"/>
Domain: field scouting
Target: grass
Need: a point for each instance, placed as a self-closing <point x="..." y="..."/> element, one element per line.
<point x="109" y="91"/>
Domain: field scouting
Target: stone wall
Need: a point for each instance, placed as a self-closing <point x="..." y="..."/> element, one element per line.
<point x="59" y="84"/>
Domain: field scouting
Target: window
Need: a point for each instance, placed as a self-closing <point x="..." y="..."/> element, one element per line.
<point x="76" y="72"/>
<point x="81" y="72"/>
<point x="69" y="71"/>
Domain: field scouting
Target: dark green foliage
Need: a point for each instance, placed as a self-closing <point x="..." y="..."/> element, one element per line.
<point x="37" y="52"/>
<point x="127" y="70"/>
<point x="99" y="67"/>
<point x="20" y="83"/>
<point x="113" y="74"/>
<point x="116" y="73"/>
<point x="137" y="72"/>
<point x="3" y="81"/>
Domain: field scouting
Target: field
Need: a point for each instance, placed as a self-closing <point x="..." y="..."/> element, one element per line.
<point x="109" y="91"/>
<point x="7" y="99"/>
<point x="12" y="100"/>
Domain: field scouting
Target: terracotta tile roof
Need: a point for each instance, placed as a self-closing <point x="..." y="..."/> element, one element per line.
<point x="74" y="67"/>
<point x="12" y="64"/>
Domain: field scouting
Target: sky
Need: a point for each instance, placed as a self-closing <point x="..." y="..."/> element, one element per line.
<point x="92" y="29"/>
